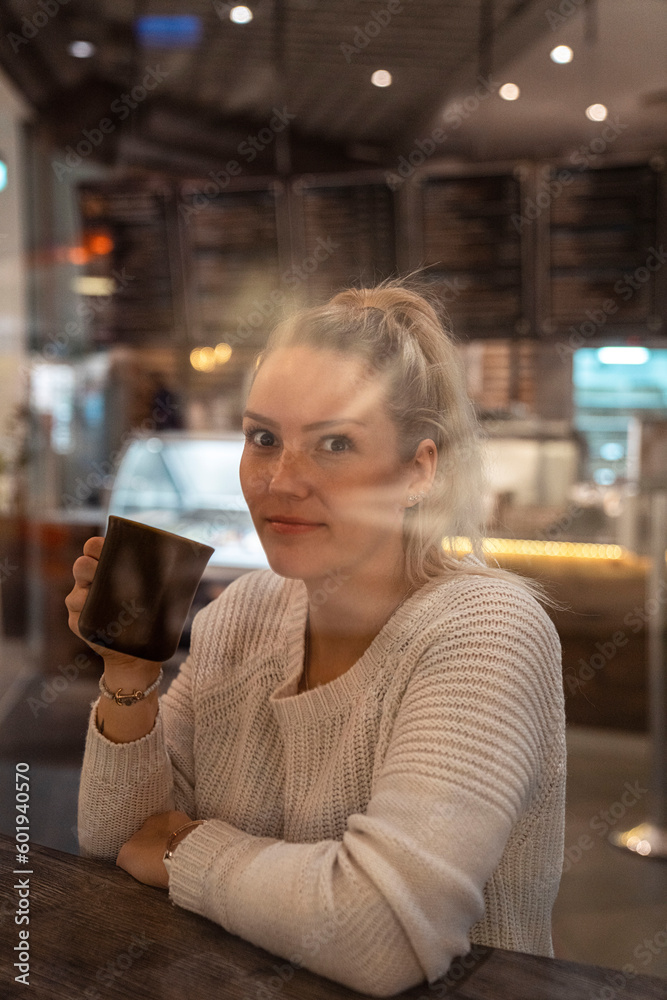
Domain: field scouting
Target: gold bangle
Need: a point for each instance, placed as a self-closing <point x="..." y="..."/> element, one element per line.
<point x="171" y="847"/>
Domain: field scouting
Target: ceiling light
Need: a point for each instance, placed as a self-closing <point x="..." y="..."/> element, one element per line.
<point x="596" y="112"/>
<point x="240" y="14"/>
<point x="562" y="54"/>
<point x="509" y="92"/>
<point x="81" y="49"/>
<point x="3" y="175"/>
<point x="623" y="355"/>
<point x="381" y="78"/>
<point x="223" y="353"/>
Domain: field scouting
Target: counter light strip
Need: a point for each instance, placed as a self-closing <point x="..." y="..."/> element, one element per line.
<point x="526" y="547"/>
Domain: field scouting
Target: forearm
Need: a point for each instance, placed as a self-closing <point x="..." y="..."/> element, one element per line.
<point x="130" y="774"/>
<point x="311" y="904"/>
<point x="122" y="784"/>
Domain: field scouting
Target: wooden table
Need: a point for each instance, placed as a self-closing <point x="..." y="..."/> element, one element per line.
<point x="97" y="934"/>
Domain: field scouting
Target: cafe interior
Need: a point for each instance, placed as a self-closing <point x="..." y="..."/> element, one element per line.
<point x="174" y="180"/>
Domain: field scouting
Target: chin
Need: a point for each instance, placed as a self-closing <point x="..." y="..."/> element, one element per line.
<point x="296" y="565"/>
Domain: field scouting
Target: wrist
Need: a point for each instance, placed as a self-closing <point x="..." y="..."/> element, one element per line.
<point x="127" y="697"/>
<point x="135" y="674"/>
<point x="178" y="836"/>
<point x="184" y="834"/>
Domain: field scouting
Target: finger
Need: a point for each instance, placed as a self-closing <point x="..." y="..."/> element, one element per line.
<point x="93" y="546"/>
<point x="84" y="570"/>
<point x="76" y="599"/>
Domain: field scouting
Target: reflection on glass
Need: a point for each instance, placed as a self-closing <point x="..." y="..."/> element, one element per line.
<point x="190" y="485"/>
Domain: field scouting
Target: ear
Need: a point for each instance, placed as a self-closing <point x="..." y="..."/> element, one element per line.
<point x="423" y="468"/>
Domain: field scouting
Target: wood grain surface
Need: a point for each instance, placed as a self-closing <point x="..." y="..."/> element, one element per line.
<point x="98" y="934"/>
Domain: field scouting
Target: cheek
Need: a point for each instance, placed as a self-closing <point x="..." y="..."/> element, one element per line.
<point x="372" y="488"/>
<point x="252" y="482"/>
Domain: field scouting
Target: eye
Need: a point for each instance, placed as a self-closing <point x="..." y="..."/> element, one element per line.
<point x="259" y="436"/>
<point x="338" y="443"/>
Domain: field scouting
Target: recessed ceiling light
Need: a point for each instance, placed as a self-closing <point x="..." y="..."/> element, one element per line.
<point x="596" y="112"/>
<point x="81" y="49"/>
<point x="240" y="14"/>
<point x="509" y="92"/>
<point x="562" y="54"/>
<point x="381" y="78"/>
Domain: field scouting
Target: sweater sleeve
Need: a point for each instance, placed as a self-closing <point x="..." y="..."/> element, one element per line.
<point x="393" y="903"/>
<point x="122" y="784"/>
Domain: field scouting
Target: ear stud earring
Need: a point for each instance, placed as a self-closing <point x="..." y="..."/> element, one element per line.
<point x="416" y="497"/>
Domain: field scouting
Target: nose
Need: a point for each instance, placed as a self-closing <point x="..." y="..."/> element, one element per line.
<point x="287" y="475"/>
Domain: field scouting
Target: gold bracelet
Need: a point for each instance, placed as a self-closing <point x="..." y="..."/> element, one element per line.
<point x="171" y="847"/>
<point x="130" y="698"/>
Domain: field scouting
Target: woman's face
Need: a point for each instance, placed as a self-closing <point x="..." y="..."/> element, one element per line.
<point x="320" y="469"/>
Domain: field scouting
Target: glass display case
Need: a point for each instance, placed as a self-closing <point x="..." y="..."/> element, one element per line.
<point x="189" y="483"/>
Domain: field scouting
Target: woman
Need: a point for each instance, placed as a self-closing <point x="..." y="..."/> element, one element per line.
<point x="363" y="756"/>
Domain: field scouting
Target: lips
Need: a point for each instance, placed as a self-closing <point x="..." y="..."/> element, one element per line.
<point x="292" y="520"/>
<point x="292" y="525"/>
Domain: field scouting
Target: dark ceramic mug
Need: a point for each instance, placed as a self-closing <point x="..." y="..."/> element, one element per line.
<point x="142" y="590"/>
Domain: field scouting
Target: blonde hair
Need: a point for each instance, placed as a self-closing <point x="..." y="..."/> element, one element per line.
<point x="399" y="329"/>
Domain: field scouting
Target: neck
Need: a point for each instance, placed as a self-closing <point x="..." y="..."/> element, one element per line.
<point x="347" y="608"/>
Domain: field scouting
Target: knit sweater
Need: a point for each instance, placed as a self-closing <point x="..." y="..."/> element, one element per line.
<point x="375" y="827"/>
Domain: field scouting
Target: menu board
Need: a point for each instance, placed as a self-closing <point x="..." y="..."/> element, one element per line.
<point x="348" y="238"/>
<point x="473" y="251"/>
<point x="230" y="250"/>
<point x="127" y="241"/>
<point x="603" y="245"/>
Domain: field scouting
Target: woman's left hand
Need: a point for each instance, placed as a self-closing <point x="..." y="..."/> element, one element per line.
<point x="142" y="854"/>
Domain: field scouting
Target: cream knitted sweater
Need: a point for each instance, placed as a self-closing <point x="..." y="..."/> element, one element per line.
<point x="373" y="828"/>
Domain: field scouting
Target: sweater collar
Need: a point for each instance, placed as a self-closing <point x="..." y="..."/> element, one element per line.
<point x="338" y="693"/>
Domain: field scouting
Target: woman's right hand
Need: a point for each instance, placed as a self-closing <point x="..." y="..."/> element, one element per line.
<point x="84" y="570"/>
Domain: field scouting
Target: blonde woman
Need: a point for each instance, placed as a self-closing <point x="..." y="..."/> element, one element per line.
<point x="363" y="757"/>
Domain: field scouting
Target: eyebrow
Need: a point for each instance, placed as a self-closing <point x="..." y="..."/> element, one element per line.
<point x="306" y="427"/>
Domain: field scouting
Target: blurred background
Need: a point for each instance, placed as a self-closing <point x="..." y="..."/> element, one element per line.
<point x="174" y="179"/>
